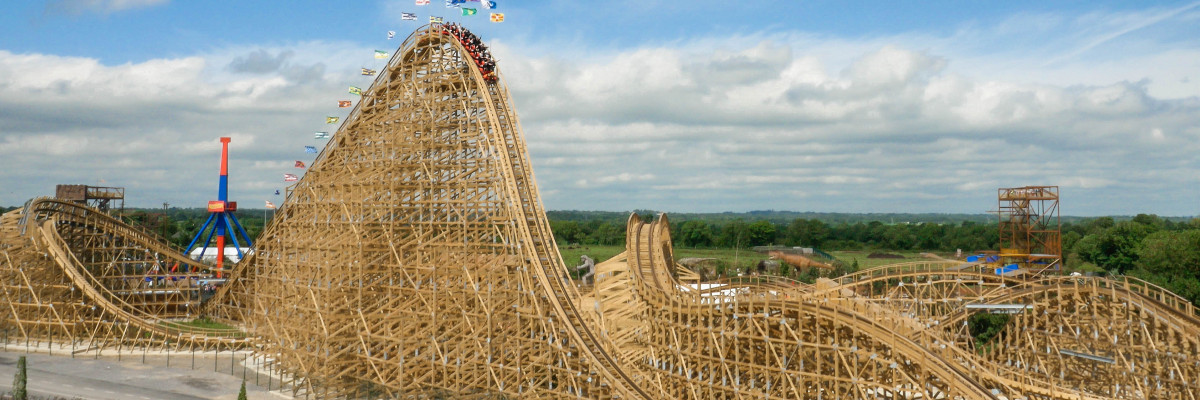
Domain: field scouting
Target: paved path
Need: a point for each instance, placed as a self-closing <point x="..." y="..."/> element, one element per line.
<point x="87" y="378"/>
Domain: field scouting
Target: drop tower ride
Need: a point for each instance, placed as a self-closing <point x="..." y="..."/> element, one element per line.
<point x="221" y="218"/>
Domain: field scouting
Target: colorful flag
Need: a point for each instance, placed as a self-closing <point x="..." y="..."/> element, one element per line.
<point x="368" y="72"/>
<point x="310" y="149"/>
<point x="407" y="17"/>
<point x="299" y="164"/>
<point x="270" y="204"/>
<point x="355" y="90"/>
<point x="469" y="11"/>
<point x="344" y="103"/>
<point x="422" y="2"/>
<point x="290" y="178"/>
<point x="392" y="34"/>
<point x="497" y="17"/>
<point x="379" y="54"/>
<point x="276" y="192"/>
<point x="490" y="4"/>
<point x="321" y="135"/>
<point x="435" y="20"/>
<point x="331" y="120"/>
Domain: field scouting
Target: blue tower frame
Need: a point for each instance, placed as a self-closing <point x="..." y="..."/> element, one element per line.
<point x="221" y="217"/>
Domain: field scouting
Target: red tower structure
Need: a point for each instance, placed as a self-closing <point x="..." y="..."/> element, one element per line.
<point x="1030" y="229"/>
<point x="221" y="218"/>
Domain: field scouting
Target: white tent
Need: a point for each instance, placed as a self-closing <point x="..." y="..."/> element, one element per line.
<point x="210" y="254"/>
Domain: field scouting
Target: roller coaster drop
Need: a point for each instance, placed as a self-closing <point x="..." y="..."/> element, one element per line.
<point x="415" y="259"/>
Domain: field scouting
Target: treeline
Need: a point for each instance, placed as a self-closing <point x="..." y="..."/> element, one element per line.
<point x="179" y="225"/>
<point x="1161" y="251"/>
<point x="740" y="233"/>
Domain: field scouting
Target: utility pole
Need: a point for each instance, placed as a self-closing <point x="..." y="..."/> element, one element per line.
<point x="166" y="220"/>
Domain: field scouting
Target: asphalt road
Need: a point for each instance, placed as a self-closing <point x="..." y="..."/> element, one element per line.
<point x="87" y="378"/>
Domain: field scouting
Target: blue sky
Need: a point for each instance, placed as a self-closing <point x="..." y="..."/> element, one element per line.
<point x="137" y="30"/>
<point x="860" y="106"/>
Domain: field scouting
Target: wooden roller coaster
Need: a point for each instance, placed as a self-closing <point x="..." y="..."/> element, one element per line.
<point x="414" y="260"/>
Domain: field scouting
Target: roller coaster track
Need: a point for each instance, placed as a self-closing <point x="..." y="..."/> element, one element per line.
<point x="36" y="250"/>
<point x="651" y="263"/>
<point x="1102" y="303"/>
<point x="414" y="260"/>
<point x="429" y="74"/>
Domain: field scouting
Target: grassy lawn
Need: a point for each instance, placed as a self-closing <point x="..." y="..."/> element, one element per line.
<point x="743" y="259"/>
<point x="732" y="260"/>
<point x="570" y="254"/>
<point x="864" y="263"/>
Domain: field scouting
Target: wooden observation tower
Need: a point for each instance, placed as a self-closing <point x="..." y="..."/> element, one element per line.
<point x="1030" y="229"/>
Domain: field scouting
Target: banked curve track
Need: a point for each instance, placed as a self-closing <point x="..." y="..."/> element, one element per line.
<point x="74" y="272"/>
<point x="414" y="260"/>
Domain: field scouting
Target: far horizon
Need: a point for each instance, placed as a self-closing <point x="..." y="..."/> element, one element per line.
<point x="1177" y="218"/>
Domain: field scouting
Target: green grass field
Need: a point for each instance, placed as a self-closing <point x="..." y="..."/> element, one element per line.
<point x="729" y="259"/>
<point x="864" y="262"/>
<point x="742" y="260"/>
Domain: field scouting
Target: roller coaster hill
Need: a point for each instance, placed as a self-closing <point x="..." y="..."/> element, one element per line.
<point x="414" y="260"/>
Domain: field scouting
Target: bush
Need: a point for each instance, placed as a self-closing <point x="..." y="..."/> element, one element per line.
<point x="19" y="392"/>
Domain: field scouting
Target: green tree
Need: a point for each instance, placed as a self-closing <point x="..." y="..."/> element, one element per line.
<point x="807" y="232"/>
<point x="607" y="234"/>
<point x="695" y="233"/>
<point x="1115" y="249"/>
<point x="1170" y="259"/>
<point x="1171" y="253"/>
<point x="19" y="392"/>
<point x="929" y="236"/>
<point x="985" y="326"/>
<point x="567" y="232"/>
<point x="1099" y="225"/>
<point x="1069" y="239"/>
<point x="899" y="237"/>
<point x="1150" y="220"/>
<point x="762" y="232"/>
<point x="735" y="234"/>
<point x="242" y="392"/>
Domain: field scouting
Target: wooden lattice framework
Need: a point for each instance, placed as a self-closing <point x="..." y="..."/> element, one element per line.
<point x="74" y="274"/>
<point x="1030" y="227"/>
<point x="415" y="254"/>
<point x="414" y="260"/>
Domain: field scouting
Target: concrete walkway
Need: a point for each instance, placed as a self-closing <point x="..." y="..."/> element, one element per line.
<point x="60" y="376"/>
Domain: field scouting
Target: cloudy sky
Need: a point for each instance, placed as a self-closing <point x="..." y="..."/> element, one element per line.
<point x="686" y="106"/>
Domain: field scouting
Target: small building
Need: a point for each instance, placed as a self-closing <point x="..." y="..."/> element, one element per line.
<point x="100" y="197"/>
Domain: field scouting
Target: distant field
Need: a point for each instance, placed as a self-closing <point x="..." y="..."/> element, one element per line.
<point x="570" y="254"/>
<point x="732" y="259"/>
<point x="742" y="259"/>
<point x="864" y="262"/>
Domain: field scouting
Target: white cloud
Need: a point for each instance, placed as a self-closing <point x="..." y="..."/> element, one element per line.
<point x="883" y="119"/>
<point x="783" y="120"/>
<point x="153" y="126"/>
